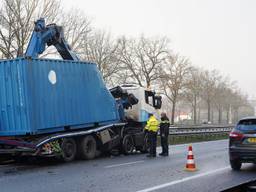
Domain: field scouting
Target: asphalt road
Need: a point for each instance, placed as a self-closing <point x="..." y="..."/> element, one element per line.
<point x="131" y="173"/>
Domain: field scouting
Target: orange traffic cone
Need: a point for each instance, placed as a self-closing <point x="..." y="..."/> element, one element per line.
<point x="190" y="166"/>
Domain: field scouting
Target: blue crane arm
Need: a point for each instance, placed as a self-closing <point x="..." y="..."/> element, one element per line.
<point x="124" y="100"/>
<point x="49" y="35"/>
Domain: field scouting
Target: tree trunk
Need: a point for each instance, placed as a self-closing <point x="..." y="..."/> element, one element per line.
<point x="194" y="108"/>
<point x="148" y="83"/>
<point x="227" y="115"/>
<point x="212" y="116"/>
<point x="20" y="52"/>
<point x="236" y="114"/>
<point x="209" y="111"/>
<point x="173" y="112"/>
<point x="220" y="115"/>
<point x="199" y="116"/>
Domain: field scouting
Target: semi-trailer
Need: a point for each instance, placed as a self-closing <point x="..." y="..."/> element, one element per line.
<point x="53" y="107"/>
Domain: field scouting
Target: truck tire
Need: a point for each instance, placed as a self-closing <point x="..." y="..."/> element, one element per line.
<point x="128" y="145"/>
<point x="87" y="147"/>
<point x="235" y="165"/>
<point x="20" y="159"/>
<point x="145" y="147"/>
<point x="69" y="149"/>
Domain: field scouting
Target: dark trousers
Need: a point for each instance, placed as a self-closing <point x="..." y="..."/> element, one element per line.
<point x="164" y="144"/>
<point x="152" y="142"/>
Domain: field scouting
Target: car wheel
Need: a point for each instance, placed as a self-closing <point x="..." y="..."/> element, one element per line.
<point x="235" y="165"/>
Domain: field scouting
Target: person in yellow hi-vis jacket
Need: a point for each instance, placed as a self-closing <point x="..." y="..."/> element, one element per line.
<point x="152" y="128"/>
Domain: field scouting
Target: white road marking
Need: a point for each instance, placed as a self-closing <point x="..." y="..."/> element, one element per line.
<point x="8" y="165"/>
<point x="118" y="165"/>
<point x="11" y="166"/>
<point x="183" y="180"/>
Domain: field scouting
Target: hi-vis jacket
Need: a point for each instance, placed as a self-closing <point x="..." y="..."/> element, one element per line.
<point x="152" y="124"/>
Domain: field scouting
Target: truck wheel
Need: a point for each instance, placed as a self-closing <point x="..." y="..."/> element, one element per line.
<point x="68" y="147"/>
<point x="128" y="145"/>
<point x="235" y="165"/>
<point x="87" y="147"/>
<point x="20" y="159"/>
<point x="145" y="147"/>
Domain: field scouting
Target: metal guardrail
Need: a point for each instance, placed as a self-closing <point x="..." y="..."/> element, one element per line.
<point x="200" y="130"/>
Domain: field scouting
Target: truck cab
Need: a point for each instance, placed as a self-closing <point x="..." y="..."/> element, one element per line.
<point x="148" y="102"/>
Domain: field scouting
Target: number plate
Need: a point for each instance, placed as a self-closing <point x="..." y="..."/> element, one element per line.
<point x="251" y="140"/>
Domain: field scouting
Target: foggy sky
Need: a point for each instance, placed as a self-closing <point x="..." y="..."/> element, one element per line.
<point x="214" y="34"/>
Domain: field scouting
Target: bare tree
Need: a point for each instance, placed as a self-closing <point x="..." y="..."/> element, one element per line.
<point x="102" y="50"/>
<point x="126" y="51"/>
<point x="221" y="91"/>
<point x="210" y="91"/>
<point x="227" y="103"/>
<point x="193" y="89"/>
<point x="209" y="83"/>
<point x="173" y="79"/>
<point x="77" y="29"/>
<point x="16" y="23"/>
<point x="143" y="57"/>
<point x="238" y="100"/>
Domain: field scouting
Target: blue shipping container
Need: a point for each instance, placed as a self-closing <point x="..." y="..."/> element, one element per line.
<point x="44" y="95"/>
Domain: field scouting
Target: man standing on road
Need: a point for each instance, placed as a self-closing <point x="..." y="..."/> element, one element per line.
<point x="152" y="128"/>
<point x="164" y="133"/>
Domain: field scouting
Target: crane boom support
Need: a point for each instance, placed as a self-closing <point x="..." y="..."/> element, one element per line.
<point x="49" y="35"/>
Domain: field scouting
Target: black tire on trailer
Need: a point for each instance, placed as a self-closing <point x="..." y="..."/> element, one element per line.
<point x="20" y="159"/>
<point x="4" y="158"/>
<point x="145" y="147"/>
<point x="235" y="165"/>
<point x="127" y="145"/>
<point x="87" y="147"/>
<point x="69" y="149"/>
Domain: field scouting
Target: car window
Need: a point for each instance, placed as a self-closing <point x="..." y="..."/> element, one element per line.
<point x="247" y="125"/>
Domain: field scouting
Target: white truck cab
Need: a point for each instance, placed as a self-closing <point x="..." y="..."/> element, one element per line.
<point x="149" y="102"/>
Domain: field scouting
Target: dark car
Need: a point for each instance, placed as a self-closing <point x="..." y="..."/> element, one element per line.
<point x="242" y="143"/>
